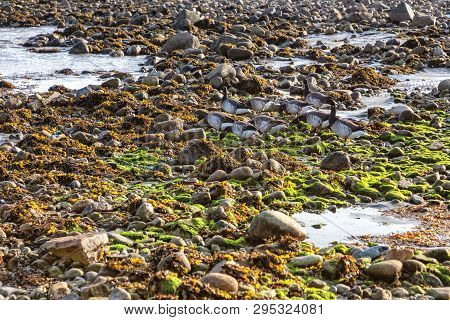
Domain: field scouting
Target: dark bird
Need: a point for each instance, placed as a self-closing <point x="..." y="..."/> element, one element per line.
<point x="266" y="124"/>
<point x="294" y="107"/>
<point x="218" y="120"/>
<point x="242" y="129"/>
<point x="344" y="128"/>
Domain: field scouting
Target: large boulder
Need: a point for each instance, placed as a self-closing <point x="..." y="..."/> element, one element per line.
<point x="274" y="224"/>
<point x="181" y="41"/>
<point x="85" y="248"/>
<point x="336" y="161"/>
<point x="402" y="12"/>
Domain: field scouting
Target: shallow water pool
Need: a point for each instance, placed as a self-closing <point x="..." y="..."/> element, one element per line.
<point x="347" y="224"/>
<point x="37" y="71"/>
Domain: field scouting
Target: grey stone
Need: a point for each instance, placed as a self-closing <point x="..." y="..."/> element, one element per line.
<point x="402" y="12"/>
<point x="268" y="224"/>
<point x="181" y="41"/>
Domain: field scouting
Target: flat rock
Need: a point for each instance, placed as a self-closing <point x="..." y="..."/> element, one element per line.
<point x="85" y="248"/>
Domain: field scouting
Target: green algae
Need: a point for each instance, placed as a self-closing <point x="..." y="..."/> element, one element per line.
<point x="319" y="294"/>
<point x="170" y="283"/>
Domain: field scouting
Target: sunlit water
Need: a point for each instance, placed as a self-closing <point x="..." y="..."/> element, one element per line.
<point x="37" y="71"/>
<point x="347" y="224"/>
<point x="340" y="38"/>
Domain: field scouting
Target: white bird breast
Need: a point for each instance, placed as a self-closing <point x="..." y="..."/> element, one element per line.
<point x="227" y="106"/>
<point x="341" y="129"/>
<point x="313" y="120"/>
<point x="214" y="121"/>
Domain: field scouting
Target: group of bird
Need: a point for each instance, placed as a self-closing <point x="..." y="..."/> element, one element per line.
<point x="309" y="111"/>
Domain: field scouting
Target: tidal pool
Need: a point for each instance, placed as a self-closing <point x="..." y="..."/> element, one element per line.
<point x="38" y="71"/>
<point x="358" y="39"/>
<point x="347" y="224"/>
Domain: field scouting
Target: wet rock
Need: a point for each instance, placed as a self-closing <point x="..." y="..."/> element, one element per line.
<point x="273" y="166"/>
<point x="79" y="206"/>
<point x="120" y="239"/>
<point x="336" y="161"/>
<point x="306" y="261"/>
<point x="268" y="224"/>
<point x="402" y="12"/>
<point x="97" y="289"/>
<point x="151" y="81"/>
<point x="181" y="41"/>
<point x="221" y="281"/>
<point x="400" y="293"/>
<point x="85" y="248"/>
<point x="387" y="271"/>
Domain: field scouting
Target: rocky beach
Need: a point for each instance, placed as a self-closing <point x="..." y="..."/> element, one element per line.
<point x="224" y="149"/>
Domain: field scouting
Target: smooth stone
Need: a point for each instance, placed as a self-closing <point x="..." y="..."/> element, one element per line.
<point x="269" y="223"/>
<point x="221" y="281"/>
<point x="387" y="271"/>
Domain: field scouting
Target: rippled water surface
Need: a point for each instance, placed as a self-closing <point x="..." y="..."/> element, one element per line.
<point x="37" y="71"/>
<point x="349" y="223"/>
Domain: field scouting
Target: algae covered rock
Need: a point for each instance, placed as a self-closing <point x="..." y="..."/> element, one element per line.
<point x="275" y="224"/>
